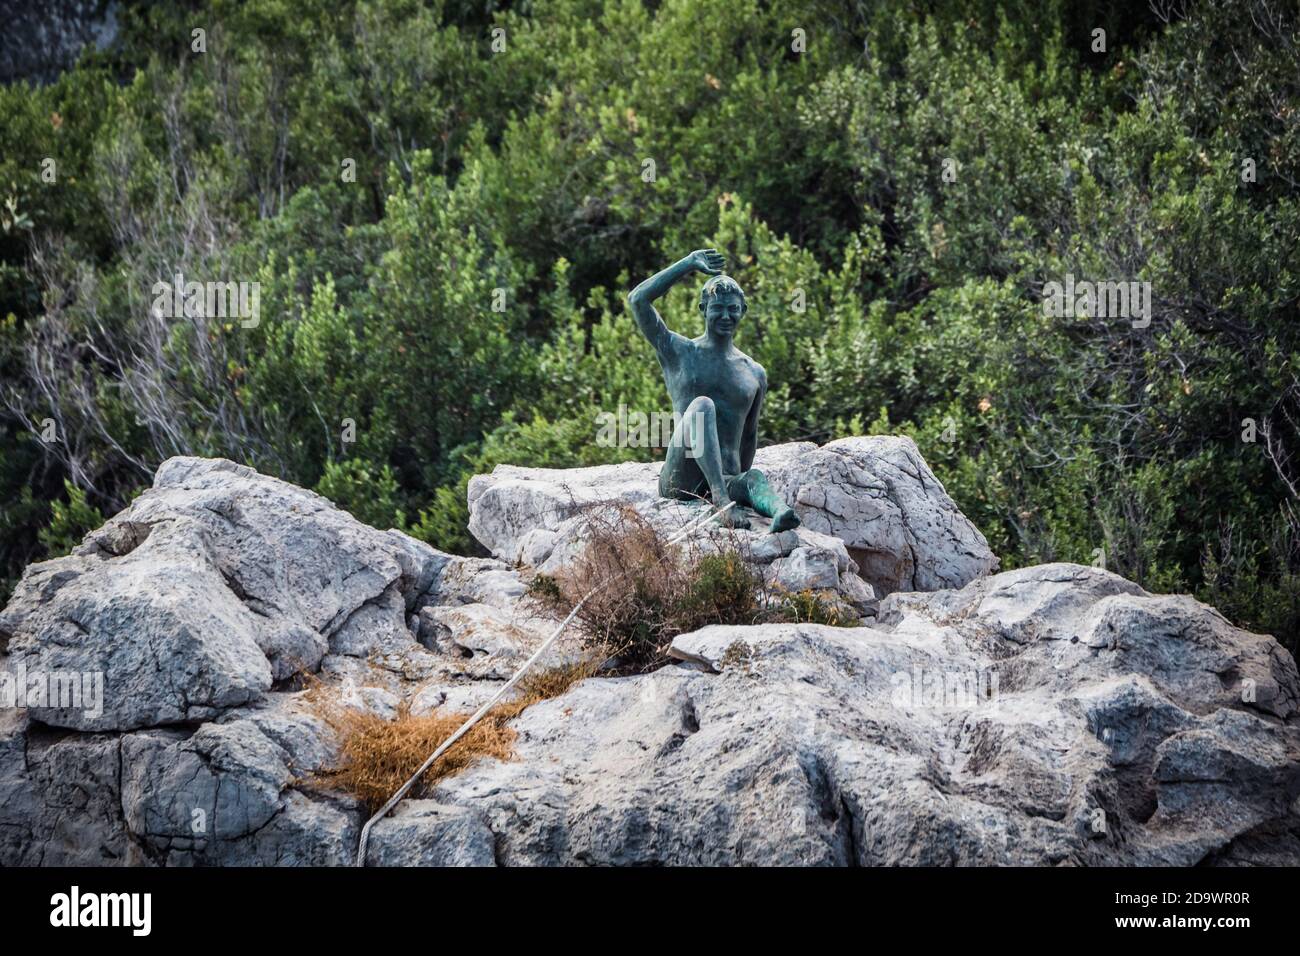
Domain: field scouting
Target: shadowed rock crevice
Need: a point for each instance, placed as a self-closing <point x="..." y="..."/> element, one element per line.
<point x="116" y="539"/>
<point x="849" y="828"/>
<point x="255" y="605"/>
<point x="690" y="720"/>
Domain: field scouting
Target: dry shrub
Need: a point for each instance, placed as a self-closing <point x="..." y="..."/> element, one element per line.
<point x="644" y="592"/>
<point x="554" y="681"/>
<point x="377" y="756"/>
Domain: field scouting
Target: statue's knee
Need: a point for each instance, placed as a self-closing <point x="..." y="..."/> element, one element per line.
<point x="699" y="418"/>
<point x="701" y="406"/>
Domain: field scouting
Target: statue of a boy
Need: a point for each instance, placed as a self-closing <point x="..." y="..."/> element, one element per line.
<point x="717" y="393"/>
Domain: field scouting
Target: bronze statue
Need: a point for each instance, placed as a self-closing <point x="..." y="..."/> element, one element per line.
<point x="717" y="393"/>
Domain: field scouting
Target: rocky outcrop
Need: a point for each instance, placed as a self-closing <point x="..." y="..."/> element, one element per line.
<point x="870" y="506"/>
<point x="1049" y="715"/>
<point x="217" y="583"/>
<point x="40" y="40"/>
<point x="1057" y="714"/>
<point x="162" y="723"/>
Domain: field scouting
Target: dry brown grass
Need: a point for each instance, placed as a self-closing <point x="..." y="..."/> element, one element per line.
<point x="646" y="592"/>
<point x="554" y="681"/>
<point x="377" y="756"/>
<point x="638" y="582"/>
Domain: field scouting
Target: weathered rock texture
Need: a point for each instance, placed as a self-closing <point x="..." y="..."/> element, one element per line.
<point x="1054" y="715"/>
<point x="196" y="605"/>
<point x="871" y="506"/>
<point x="40" y="40"/>
<point x="1051" y="715"/>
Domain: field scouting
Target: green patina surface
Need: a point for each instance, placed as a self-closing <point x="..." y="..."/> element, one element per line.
<point x="717" y="393"/>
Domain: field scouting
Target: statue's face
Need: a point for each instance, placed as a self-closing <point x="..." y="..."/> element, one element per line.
<point x="722" y="313"/>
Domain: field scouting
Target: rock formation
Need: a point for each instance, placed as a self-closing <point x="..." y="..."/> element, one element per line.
<point x="870" y="506"/>
<point x="1048" y="715"/>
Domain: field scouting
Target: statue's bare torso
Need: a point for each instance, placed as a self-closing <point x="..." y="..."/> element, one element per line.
<point x="733" y="382"/>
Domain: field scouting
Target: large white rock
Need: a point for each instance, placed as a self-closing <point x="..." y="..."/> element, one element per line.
<point x="190" y="611"/>
<point x="1052" y="715"/>
<point x="875" y="497"/>
<point x="216" y="583"/>
<point x="1055" y="714"/>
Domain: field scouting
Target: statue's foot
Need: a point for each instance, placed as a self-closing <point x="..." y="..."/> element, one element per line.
<point x="784" y="520"/>
<point x="733" y="517"/>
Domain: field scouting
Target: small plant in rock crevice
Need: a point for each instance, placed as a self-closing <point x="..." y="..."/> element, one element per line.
<point x="644" y="592"/>
<point x="812" y="607"/>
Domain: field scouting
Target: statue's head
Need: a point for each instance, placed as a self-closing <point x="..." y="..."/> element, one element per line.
<point x="723" y="303"/>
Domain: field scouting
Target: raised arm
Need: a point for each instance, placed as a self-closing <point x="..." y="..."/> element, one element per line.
<point x="642" y="298"/>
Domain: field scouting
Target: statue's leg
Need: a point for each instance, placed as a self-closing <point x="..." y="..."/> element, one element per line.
<point x="751" y="488"/>
<point x="693" y="454"/>
<point x="680" y="476"/>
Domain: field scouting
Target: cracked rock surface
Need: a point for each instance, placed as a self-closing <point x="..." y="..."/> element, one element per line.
<point x="871" y="500"/>
<point x="1053" y="715"/>
<point x="194" y="607"/>
<point x="1049" y="715"/>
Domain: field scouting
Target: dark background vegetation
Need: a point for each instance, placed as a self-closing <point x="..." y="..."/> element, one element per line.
<point x="822" y="172"/>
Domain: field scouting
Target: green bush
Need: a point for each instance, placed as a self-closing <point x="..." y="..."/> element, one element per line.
<point x="914" y="177"/>
<point x="810" y="607"/>
<point x="69" y="522"/>
<point x="369" y="496"/>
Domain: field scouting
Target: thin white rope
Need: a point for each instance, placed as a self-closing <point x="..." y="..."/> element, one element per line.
<point x="405" y="788"/>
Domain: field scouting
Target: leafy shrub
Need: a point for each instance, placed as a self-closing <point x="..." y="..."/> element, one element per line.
<point x="69" y="522"/>
<point x="810" y="607"/>
<point x="721" y="590"/>
<point x="370" y="497"/>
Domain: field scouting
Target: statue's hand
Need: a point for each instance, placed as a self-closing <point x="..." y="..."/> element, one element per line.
<point x="708" y="261"/>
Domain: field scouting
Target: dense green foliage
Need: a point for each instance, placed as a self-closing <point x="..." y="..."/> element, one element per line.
<point x="460" y="302"/>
